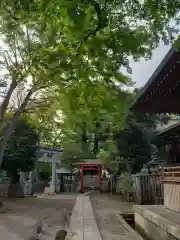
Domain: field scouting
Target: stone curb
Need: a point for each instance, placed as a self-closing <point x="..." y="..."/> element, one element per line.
<point x="160" y="221"/>
<point x="133" y="234"/>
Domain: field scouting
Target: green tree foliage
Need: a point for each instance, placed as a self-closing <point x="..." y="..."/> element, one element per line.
<point x="137" y="140"/>
<point x="3" y="177"/>
<point x="103" y="127"/>
<point x="67" y="41"/>
<point x="20" y="153"/>
<point x="134" y="146"/>
<point x="76" y="44"/>
<point x="72" y="154"/>
<point x="46" y="171"/>
<point x="83" y="117"/>
<point x="125" y="186"/>
<point x="90" y="115"/>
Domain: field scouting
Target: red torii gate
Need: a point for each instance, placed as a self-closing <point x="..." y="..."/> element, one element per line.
<point x="90" y="167"/>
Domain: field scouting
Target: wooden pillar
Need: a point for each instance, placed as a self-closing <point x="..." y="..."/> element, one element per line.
<point x="82" y="178"/>
<point x="100" y="179"/>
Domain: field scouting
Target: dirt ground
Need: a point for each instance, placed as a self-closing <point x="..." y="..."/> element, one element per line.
<point x="105" y="207"/>
<point x="112" y="202"/>
<point x="23" y="215"/>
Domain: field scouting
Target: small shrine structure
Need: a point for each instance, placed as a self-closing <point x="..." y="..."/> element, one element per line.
<point x="91" y="165"/>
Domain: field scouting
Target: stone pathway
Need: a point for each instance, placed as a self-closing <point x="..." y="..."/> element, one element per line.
<point x="83" y="224"/>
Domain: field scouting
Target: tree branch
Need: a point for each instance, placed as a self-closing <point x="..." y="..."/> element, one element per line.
<point x="102" y="22"/>
<point x="5" y="102"/>
<point x="28" y="39"/>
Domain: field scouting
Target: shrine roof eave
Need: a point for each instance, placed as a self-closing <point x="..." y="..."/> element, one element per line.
<point x="50" y="150"/>
<point x="170" y="130"/>
<point x="154" y="83"/>
<point x="90" y="162"/>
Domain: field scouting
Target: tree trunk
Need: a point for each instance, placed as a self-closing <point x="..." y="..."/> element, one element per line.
<point x="5" y="102"/>
<point x="96" y="139"/>
<point x="10" y="125"/>
<point x="84" y="138"/>
<point x="96" y="144"/>
<point x="61" y="184"/>
<point x="15" y="189"/>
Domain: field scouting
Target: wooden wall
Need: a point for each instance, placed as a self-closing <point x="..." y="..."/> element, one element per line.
<point x="172" y="188"/>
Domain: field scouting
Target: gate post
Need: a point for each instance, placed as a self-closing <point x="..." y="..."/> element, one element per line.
<point x="82" y="178"/>
<point x="100" y="178"/>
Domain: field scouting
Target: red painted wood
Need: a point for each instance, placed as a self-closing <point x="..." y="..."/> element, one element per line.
<point x="92" y="167"/>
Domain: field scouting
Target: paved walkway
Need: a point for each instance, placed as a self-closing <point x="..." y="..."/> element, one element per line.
<point x="83" y="225"/>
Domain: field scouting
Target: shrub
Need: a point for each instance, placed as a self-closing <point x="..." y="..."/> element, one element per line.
<point x="125" y="186"/>
<point x="3" y="177"/>
<point x="45" y="172"/>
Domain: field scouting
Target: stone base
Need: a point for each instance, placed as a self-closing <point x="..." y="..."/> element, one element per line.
<point x="157" y="222"/>
<point x="49" y="191"/>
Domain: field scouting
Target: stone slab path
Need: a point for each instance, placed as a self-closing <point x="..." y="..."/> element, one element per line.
<point x="83" y="224"/>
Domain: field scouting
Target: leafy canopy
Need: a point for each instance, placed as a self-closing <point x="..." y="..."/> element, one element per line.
<point x="77" y="48"/>
<point x="89" y="40"/>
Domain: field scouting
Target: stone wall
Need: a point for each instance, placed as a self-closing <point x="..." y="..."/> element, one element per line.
<point x="155" y="222"/>
<point x="151" y="231"/>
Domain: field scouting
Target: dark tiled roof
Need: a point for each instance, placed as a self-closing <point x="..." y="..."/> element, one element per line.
<point x="51" y="150"/>
<point x="154" y="76"/>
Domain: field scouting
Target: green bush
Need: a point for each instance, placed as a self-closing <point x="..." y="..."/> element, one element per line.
<point x="46" y="171"/>
<point x="3" y="177"/>
<point x="125" y="186"/>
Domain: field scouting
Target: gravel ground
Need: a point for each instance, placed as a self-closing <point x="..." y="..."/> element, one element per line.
<point x="23" y="217"/>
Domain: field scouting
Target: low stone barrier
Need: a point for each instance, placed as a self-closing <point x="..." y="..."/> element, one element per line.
<point x="157" y="222"/>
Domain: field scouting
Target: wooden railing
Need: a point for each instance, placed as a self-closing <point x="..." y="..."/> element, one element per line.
<point x="172" y="174"/>
<point x="149" y="188"/>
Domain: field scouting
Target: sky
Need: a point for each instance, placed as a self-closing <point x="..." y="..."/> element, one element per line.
<point x="142" y="70"/>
